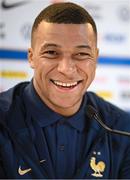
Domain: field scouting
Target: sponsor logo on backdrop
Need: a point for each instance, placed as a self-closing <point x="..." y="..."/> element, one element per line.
<point x="8" y="74"/>
<point x="115" y="38"/>
<point x="125" y="81"/>
<point x="26" y="31"/>
<point x="6" y="4"/>
<point x="124" y="14"/>
<point x="105" y="94"/>
<point x="2" y="30"/>
<point x="95" y="10"/>
<point x="125" y="95"/>
<point x="101" y="79"/>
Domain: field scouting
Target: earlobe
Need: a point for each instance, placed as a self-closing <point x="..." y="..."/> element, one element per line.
<point x="30" y="57"/>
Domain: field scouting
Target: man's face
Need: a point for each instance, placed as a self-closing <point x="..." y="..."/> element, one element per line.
<point x="63" y="57"/>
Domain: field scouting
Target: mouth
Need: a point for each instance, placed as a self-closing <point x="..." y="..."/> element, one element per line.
<point x="66" y="85"/>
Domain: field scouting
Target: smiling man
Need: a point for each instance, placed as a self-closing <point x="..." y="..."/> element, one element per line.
<point x="48" y="126"/>
<point x="63" y="69"/>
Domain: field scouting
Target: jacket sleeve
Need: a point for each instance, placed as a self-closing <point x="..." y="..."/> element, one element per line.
<point x="125" y="168"/>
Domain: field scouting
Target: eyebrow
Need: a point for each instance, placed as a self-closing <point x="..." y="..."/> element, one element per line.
<point x="83" y="46"/>
<point x="46" y="45"/>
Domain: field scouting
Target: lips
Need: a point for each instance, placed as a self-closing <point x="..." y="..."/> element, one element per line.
<point x="68" y="85"/>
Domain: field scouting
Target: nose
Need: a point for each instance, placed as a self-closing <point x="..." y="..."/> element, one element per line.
<point x="67" y="66"/>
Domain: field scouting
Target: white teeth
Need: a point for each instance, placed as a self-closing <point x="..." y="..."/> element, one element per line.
<point x="65" y="84"/>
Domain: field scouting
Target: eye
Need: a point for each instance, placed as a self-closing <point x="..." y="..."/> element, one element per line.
<point x="82" y="56"/>
<point x="50" y="54"/>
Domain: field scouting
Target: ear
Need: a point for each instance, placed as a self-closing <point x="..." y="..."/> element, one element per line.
<point x="30" y="57"/>
<point x="97" y="54"/>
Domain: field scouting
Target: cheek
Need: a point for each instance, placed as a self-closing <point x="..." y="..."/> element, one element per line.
<point x="40" y="66"/>
<point x="88" y="69"/>
<point x="44" y="71"/>
<point x="92" y="69"/>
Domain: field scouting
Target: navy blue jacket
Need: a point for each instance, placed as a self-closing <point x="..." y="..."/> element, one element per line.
<point x="107" y="155"/>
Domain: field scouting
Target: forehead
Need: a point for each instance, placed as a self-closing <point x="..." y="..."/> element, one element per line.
<point x="64" y="33"/>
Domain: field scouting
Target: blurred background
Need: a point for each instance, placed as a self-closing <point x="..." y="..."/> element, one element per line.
<point x="112" y="17"/>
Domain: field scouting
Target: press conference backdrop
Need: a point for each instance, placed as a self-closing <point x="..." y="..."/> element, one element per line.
<point x="112" y="17"/>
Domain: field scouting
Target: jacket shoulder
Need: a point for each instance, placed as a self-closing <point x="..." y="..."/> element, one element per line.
<point x="7" y="97"/>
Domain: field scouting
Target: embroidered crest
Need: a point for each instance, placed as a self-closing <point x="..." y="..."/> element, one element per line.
<point x="98" y="168"/>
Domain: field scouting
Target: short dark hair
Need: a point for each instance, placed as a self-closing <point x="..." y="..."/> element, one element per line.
<point x="64" y="12"/>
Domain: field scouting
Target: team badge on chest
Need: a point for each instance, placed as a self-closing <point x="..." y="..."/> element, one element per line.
<point x="97" y="167"/>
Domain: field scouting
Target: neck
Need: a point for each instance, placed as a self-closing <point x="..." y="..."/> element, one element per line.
<point x="64" y="111"/>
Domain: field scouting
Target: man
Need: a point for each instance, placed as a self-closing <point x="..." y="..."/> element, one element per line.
<point x="48" y="127"/>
